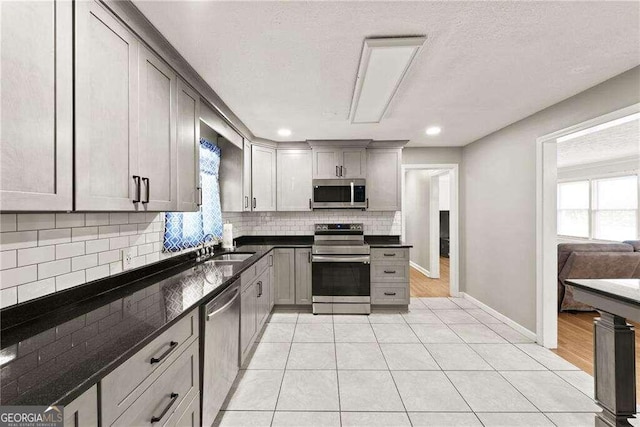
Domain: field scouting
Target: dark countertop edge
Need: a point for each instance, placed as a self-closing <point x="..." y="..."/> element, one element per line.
<point x="603" y="292"/>
<point x="171" y="265"/>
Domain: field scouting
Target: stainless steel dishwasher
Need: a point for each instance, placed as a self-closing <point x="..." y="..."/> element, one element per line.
<point x="221" y="350"/>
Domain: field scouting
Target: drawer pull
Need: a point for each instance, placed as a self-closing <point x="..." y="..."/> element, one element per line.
<point x="172" y="346"/>
<point x="390" y="293"/>
<point x="389" y="254"/>
<point x="390" y="271"/>
<point x="174" y="397"/>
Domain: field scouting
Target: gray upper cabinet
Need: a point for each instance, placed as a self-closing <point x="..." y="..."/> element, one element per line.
<point x="353" y="163"/>
<point x="189" y="190"/>
<point x="106" y="112"/>
<point x="383" y="179"/>
<point x="157" y="140"/>
<point x="246" y="176"/>
<point x="263" y="178"/>
<point x="36" y="100"/>
<point x="294" y="180"/>
<point x="303" y="275"/>
<point x="284" y="276"/>
<point x="333" y="162"/>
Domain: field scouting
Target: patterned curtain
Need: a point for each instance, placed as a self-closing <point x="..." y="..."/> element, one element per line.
<point x="187" y="229"/>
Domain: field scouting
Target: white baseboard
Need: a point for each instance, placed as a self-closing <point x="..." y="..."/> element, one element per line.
<point x="420" y="269"/>
<point x="518" y="327"/>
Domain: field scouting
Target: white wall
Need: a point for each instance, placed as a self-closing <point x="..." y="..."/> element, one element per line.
<point x="417" y="194"/>
<point x="499" y="199"/>
<point x="431" y="155"/>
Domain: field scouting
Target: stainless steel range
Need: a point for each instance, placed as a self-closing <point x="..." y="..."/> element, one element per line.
<point x="341" y="276"/>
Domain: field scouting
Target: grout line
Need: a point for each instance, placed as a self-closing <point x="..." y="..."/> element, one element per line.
<point x="284" y="372"/>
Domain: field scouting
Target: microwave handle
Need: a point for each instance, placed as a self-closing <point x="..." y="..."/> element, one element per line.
<point x="351" y="193"/>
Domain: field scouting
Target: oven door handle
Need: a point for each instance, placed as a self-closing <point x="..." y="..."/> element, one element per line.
<point x="365" y="259"/>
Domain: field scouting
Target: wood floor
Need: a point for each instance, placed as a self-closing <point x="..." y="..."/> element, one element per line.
<point x="575" y="341"/>
<point x="423" y="286"/>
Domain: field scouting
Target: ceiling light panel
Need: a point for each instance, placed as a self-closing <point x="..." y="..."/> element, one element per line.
<point x="383" y="65"/>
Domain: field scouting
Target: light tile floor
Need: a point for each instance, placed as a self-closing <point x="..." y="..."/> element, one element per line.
<point x="445" y="363"/>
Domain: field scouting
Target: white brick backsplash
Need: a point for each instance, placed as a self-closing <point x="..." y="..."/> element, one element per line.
<point x="8" y="222"/>
<point x="155" y="217"/>
<point x="138" y="239"/>
<point x="93" y="219"/>
<point x="115" y="267"/>
<point x="116" y="218"/>
<point x="152" y="257"/>
<point x="8" y="297"/>
<point x="108" y="231"/>
<point x="118" y="242"/>
<point x="18" y="276"/>
<point x="108" y="257"/>
<point x="69" y="250"/>
<point x="152" y="237"/>
<point x="94" y="246"/>
<point x="96" y="273"/>
<point x="36" y="255"/>
<point x="8" y="259"/>
<point x="67" y="220"/>
<point x="53" y="268"/>
<point x="137" y="217"/>
<point x="18" y="240"/>
<point x="138" y="261"/>
<point x="145" y="249"/>
<point x="69" y="280"/>
<point x="128" y="229"/>
<point x="84" y="262"/>
<point x="84" y="233"/>
<point x="32" y="290"/>
<point x="36" y="221"/>
<point x="54" y="237"/>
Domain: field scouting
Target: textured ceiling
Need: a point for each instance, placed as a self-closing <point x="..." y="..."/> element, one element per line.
<point x="484" y="65"/>
<point x="622" y="141"/>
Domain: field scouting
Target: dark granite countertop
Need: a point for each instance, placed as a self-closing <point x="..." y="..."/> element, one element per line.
<point x="54" y="348"/>
<point x="386" y="242"/>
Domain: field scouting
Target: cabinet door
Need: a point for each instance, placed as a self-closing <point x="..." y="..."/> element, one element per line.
<point x="248" y="318"/>
<point x="264" y="305"/>
<point x="106" y="111"/>
<point x="326" y="163"/>
<point x="36" y="101"/>
<point x="303" y="276"/>
<point x="83" y="411"/>
<point x="188" y="148"/>
<point x="383" y="179"/>
<point x="263" y="178"/>
<point x="246" y="176"/>
<point x="294" y="180"/>
<point x="284" y="276"/>
<point x="157" y="142"/>
<point x="353" y="162"/>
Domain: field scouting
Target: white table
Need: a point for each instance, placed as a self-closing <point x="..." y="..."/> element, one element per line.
<point x="614" y="345"/>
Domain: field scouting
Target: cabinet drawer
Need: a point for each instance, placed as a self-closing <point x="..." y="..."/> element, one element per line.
<point x="255" y="270"/>
<point x="390" y="272"/>
<point x="381" y="293"/>
<point x="166" y="394"/>
<point x="263" y="263"/>
<point x="187" y="414"/>
<point x="390" y="254"/>
<point x="125" y="384"/>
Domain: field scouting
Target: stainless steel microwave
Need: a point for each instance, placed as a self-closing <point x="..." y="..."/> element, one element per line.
<point x="339" y="194"/>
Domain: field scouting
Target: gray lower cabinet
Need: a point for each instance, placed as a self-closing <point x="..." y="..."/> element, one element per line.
<point x="255" y="303"/>
<point x="135" y="382"/>
<point x="303" y="276"/>
<point x="36" y="101"/>
<point x="284" y="262"/>
<point x="83" y="411"/>
<point x="390" y="276"/>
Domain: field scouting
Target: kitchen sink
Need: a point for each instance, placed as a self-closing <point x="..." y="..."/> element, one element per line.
<point x="235" y="257"/>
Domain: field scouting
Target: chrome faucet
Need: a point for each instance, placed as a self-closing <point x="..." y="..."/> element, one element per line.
<point x="205" y="250"/>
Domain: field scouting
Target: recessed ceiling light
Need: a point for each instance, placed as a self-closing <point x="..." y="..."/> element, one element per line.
<point x="433" y="130"/>
<point x="284" y="132"/>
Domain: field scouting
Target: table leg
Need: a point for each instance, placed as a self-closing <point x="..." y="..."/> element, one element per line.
<point x="615" y="370"/>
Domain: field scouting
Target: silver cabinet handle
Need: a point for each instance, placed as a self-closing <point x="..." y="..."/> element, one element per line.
<point x="136" y="179"/>
<point x="146" y="180"/>
<point x="259" y="289"/>
<point x="309" y="257"/>
<point x="367" y="201"/>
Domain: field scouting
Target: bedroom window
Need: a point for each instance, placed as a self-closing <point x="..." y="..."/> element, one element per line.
<point x="599" y="209"/>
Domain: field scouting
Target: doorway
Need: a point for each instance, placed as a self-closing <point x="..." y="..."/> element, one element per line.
<point x="547" y="215"/>
<point x="430" y="224"/>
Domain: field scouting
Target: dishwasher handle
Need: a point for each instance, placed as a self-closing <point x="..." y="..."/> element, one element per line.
<point x="232" y="298"/>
